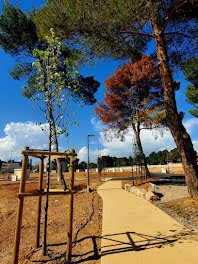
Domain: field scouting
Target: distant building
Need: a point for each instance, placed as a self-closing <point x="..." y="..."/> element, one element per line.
<point x="10" y="166"/>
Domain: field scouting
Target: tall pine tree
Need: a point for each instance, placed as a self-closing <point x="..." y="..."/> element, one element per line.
<point x="133" y="99"/>
<point x="124" y="29"/>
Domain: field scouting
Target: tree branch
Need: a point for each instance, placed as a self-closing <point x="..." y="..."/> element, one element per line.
<point x="179" y="33"/>
<point x="153" y="127"/>
<point x="137" y="33"/>
<point x="171" y="13"/>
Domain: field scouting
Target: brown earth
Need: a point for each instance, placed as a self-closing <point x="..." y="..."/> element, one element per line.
<point x="86" y="225"/>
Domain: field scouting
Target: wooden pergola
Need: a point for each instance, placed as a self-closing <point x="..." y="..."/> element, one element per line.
<point x="42" y="154"/>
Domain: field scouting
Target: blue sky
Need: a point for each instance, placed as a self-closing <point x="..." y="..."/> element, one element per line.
<point x="18" y="116"/>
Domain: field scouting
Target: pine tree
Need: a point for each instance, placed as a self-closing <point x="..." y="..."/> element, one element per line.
<point x="190" y="71"/>
<point x="133" y="99"/>
<point x="124" y="29"/>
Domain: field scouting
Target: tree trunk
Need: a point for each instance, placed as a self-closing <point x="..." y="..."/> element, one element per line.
<point x="140" y="149"/>
<point x="44" y="249"/>
<point x="174" y="122"/>
<point x="55" y="142"/>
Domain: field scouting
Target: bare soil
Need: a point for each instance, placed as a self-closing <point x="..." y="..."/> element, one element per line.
<point x="86" y="226"/>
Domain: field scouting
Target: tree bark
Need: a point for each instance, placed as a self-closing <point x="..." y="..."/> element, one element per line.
<point x="55" y="142"/>
<point x="174" y="122"/>
<point x="140" y="149"/>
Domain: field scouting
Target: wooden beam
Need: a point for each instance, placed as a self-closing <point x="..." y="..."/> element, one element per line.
<point x="32" y="152"/>
<point x="20" y="211"/>
<point x="58" y="156"/>
<point x="32" y="194"/>
<point x="36" y="156"/>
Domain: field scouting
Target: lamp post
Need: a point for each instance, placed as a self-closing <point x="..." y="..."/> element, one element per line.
<point x="88" y="187"/>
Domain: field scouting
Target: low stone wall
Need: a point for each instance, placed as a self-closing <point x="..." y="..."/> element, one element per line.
<point x="149" y="194"/>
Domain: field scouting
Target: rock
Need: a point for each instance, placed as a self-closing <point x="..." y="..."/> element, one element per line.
<point x="150" y="196"/>
<point x="127" y="187"/>
<point x="143" y="193"/>
<point x="133" y="189"/>
<point x="153" y="188"/>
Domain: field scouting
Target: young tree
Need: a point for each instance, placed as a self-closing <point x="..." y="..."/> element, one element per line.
<point x="18" y="37"/>
<point x="51" y="91"/>
<point x="133" y="99"/>
<point x="54" y="81"/>
<point x="124" y="28"/>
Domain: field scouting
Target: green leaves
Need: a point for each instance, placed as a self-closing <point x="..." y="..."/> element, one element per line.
<point x="190" y="71"/>
<point x="17" y="31"/>
<point x="53" y="85"/>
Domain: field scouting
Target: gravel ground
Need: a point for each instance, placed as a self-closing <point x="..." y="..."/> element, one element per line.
<point x="171" y="192"/>
<point x="186" y="216"/>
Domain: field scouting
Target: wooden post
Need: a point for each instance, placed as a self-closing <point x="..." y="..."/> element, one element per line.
<point x="20" y="210"/>
<point x="38" y="216"/>
<point x="136" y="175"/>
<point x="132" y="176"/>
<point x="70" y="211"/>
<point x="146" y="174"/>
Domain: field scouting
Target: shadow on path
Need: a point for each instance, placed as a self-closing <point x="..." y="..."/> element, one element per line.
<point x="114" y="244"/>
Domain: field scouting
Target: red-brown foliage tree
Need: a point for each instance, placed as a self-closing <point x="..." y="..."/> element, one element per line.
<point x="133" y="98"/>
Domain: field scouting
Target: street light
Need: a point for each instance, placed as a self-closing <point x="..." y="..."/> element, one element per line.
<point x="88" y="187"/>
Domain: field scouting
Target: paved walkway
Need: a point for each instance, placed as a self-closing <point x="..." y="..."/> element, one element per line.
<point x="137" y="232"/>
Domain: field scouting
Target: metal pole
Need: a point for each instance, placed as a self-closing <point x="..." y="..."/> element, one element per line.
<point x="20" y="210"/>
<point x="70" y="211"/>
<point x="38" y="217"/>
